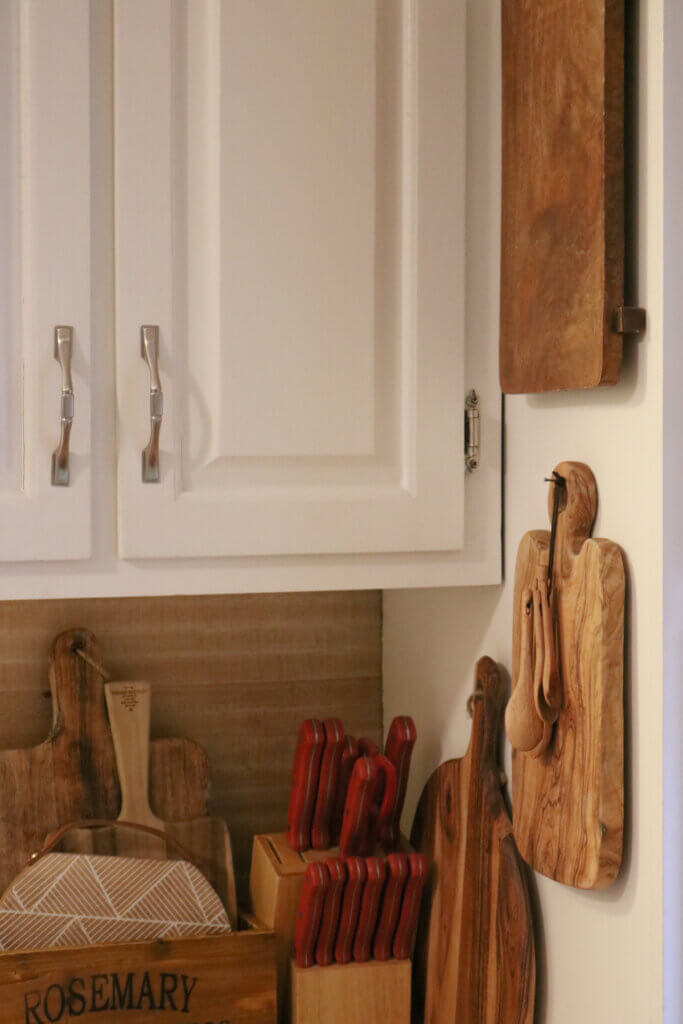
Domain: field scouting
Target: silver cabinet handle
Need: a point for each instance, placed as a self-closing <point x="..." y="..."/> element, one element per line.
<point x="60" y="456"/>
<point x="149" y="344"/>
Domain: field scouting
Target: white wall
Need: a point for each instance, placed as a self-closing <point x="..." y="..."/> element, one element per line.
<point x="673" y="519"/>
<point x="600" y="954"/>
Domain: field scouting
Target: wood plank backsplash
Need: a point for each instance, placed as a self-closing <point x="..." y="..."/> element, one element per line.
<point x="237" y="673"/>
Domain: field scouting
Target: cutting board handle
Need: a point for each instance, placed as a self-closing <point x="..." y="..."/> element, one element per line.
<point x="85" y="778"/>
<point x="578" y="509"/>
<point x="488" y="706"/>
<point x="129" y="706"/>
<point x="77" y="687"/>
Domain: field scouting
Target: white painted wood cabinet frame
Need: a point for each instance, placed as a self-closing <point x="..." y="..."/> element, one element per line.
<point x="325" y="452"/>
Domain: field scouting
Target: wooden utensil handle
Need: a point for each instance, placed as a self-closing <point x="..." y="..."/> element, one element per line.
<point x="329" y="921"/>
<point x="129" y="707"/>
<point x="356" y="874"/>
<point x="398" y="870"/>
<point x="321" y="829"/>
<point x="304" y="785"/>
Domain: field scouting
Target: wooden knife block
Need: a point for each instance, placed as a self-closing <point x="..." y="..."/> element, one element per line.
<point x="277" y="873"/>
<point x="376" y="992"/>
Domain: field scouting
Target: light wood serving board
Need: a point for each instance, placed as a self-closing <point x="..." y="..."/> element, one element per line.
<point x="72" y="774"/>
<point x="568" y="804"/>
<point x="206" y="840"/>
<point x="475" y="955"/>
<point x="562" y="270"/>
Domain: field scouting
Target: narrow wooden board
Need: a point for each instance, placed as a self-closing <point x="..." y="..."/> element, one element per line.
<point x="72" y="774"/>
<point x="219" y="979"/>
<point x="475" y="954"/>
<point x="562" y="257"/>
<point x="237" y="672"/>
<point x="568" y="804"/>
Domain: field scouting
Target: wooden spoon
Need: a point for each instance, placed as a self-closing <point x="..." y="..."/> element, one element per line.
<point x="552" y="684"/>
<point x="523" y="726"/>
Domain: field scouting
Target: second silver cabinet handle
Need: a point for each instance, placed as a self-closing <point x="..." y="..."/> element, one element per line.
<point x="60" y="456"/>
<point x="149" y="343"/>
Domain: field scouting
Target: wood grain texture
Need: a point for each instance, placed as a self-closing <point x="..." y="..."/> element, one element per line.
<point x="376" y="992"/>
<point x="226" y="978"/>
<point x="237" y="673"/>
<point x="568" y="804"/>
<point x="72" y="775"/>
<point x="475" y="954"/>
<point x="562" y="261"/>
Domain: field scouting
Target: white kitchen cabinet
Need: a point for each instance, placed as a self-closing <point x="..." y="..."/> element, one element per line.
<point x="290" y="198"/>
<point x="282" y="190"/>
<point x="45" y="278"/>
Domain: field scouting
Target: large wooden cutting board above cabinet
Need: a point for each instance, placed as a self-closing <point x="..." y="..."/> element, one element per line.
<point x="278" y="195"/>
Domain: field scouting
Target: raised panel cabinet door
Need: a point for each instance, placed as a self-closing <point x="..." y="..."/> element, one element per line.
<point x="44" y="274"/>
<point x="289" y="212"/>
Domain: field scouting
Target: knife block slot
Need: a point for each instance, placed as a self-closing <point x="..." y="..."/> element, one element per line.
<point x="376" y="992"/>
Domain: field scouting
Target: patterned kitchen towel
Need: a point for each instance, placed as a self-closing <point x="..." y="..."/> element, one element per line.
<point x="68" y="899"/>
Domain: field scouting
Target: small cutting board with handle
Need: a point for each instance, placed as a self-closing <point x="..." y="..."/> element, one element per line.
<point x="474" y="956"/>
<point x="206" y="840"/>
<point x="72" y="774"/>
<point x="568" y="803"/>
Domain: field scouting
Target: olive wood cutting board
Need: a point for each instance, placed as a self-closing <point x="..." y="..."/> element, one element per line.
<point x="72" y="775"/>
<point x="475" y="954"/>
<point x="568" y="803"/>
<point x="562" y="244"/>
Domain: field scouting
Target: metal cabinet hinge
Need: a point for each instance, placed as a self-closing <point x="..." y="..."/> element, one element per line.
<point x="472" y="431"/>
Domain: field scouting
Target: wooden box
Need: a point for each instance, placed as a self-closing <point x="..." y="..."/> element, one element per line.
<point x="214" y="980"/>
<point x="376" y="992"/>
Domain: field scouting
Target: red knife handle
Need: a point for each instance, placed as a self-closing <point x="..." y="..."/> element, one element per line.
<point x="356" y="874"/>
<point x="349" y="757"/>
<point x="398" y="870"/>
<point x="321" y="830"/>
<point x="399" y="748"/>
<point x="369" y="909"/>
<point x="368" y="748"/>
<point x="302" y="794"/>
<point x="324" y="950"/>
<point x="316" y="880"/>
<point x="406" y="929"/>
<point x="358" y="808"/>
<point x="383" y="801"/>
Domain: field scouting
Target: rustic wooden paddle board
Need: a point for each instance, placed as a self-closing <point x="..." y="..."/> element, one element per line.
<point x="568" y="804"/>
<point x="72" y="775"/>
<point x="562" y="245"/>
<point x="204" y="841"/>
<point x="474" y="956"/>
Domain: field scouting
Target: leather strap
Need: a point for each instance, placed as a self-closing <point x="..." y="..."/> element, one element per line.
<point x="54" y="838"/>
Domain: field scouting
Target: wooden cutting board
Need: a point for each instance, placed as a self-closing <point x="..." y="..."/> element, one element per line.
<point x="204" y="841"/>
<point x="72" y="775"/>
<point x="475" y="955"/>
<point x="562" y="255"/>
<point x="568" y="804"/>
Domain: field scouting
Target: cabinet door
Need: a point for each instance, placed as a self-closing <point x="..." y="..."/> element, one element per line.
<point x="289" y="209"/>
<point x="44" y="273"/>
